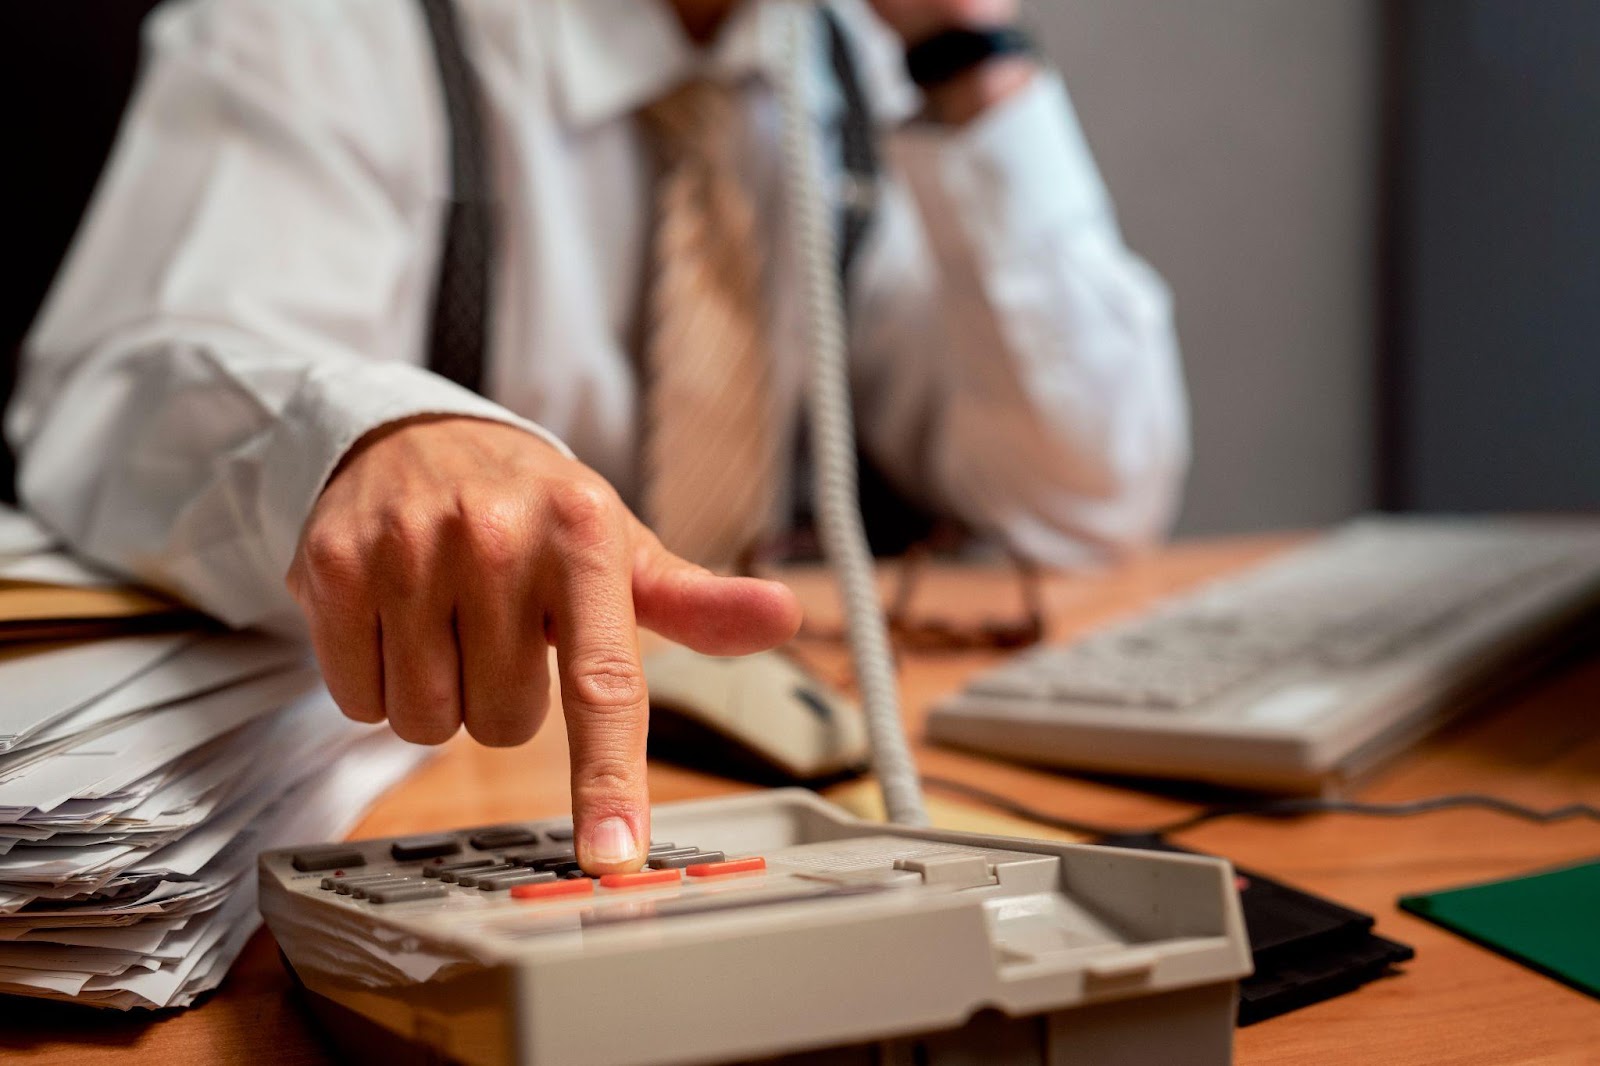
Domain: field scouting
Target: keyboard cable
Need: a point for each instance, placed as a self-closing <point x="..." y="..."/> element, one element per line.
<point x="1279" y="808"/>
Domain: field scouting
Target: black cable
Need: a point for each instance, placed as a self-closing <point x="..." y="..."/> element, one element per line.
<point x="1283" y="808"/>
<point x="1019" y="810"/>
<point x="1317" y="805"/>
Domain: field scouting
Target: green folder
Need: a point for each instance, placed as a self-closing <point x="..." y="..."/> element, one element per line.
<point x="1547" y="921"/>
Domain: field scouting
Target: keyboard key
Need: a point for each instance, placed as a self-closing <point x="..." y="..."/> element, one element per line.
<point x="511" y="836"/>
<point x="562" y="832"/>
<point x="456" y="867"/>
<point x="406" y="893"/>
<point x="326" y="859"/>
<point x="542" y="858"/>
<point x="641" y="879"/>
<point x="667" y="853"/>
<point x="659" y="846"/>
<point x="349" y="886"/>
<point x="363" y="889"/>
<point x="1009" y="684"/>
<point x="501" y="882"/>
<point x="470" y="878"/>
<point x="678" y="862"/>
<point x="419" y="848"/>
<point x="335" y="882"/>
<point x="554" y="889"/>
<point x="728" y="866"/>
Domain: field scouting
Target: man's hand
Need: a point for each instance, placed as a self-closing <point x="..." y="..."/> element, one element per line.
<point x="447" y="554"/>
<point x="968" y="95"/>
<point x="917" y="20"/>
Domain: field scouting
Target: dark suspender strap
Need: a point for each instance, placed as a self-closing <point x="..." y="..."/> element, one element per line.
<point x="458" y="336"/>
<point x="858" y="148"/>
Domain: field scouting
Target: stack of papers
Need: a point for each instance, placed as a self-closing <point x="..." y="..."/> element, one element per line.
<point x="141" y="771"/>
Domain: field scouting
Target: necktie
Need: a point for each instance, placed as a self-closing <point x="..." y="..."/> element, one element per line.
<point x="710" y="453"/>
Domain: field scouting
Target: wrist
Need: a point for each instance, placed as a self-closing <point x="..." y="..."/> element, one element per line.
<point x="429" y="431"/>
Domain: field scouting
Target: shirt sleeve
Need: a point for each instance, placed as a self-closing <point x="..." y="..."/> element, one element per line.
<point x="1017" y="364"/>
<point x="243" y="302"/>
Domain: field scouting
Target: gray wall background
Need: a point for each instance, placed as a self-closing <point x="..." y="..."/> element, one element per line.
<point x="1499" y="224"/>
<point x="1240" y="142"/>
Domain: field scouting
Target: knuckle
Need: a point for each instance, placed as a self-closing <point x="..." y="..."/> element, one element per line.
<point x="492" y="532"/>
<point x="605" y="776"/>
<point x="330" y="558"/>
<point x="356" y="705"/>
<point x="584" y="511"/>
<point x="607" y="683"/>
<point x="356" y="700"/>
<point x="430" y="731"/>
<point x="360" y="712"/>
<point x="501" y="731"/>
<point x="402" y="553"/>
<point x="426" y="714"/>
<point x="504" y="715"/>
<point x="405" y="530"/>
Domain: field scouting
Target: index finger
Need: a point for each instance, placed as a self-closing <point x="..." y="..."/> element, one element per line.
<point x="607" y="709"/>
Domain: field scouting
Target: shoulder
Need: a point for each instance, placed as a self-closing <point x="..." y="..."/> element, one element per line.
<point x="358" y="70"/>
<point x="345" y="55"/>
<point x="288" y="36"/>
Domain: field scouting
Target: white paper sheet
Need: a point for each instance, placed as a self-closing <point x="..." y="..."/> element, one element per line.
<point x="43" y="687"/>
<point x="147" y="936"/>
<point x="167" y="941"/>
<point x="25" y="981"/>
<point x="200" y="666"/>
<point x="99" y="961"/>
<point x="114" y="761"/>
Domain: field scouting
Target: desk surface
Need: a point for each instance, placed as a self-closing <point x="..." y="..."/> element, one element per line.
<point x="1455" y="1003"/>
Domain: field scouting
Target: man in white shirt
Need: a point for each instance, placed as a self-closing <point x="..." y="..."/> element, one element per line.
<point x="226" y="386"/>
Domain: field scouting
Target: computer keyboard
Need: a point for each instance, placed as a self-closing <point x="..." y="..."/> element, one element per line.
<point x="1299" y="672"/>
<point x="771" y="927"/>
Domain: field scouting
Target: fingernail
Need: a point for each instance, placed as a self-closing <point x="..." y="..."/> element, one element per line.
<point x="611" y="841"/>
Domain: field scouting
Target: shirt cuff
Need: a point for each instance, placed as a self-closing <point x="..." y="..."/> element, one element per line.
<point x="336" y="405"/>
<point x="1020" y="169"/>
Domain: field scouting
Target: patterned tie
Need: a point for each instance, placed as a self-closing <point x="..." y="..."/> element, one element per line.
<point x="710" y="454"/>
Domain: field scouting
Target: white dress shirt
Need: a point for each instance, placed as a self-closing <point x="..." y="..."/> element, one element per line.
<point x="248" y="295"/>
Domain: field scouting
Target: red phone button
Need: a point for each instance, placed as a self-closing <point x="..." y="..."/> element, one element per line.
<point x="580" y="886"/>
<point x="732" y="866"/>
<point x="641" y="879"/>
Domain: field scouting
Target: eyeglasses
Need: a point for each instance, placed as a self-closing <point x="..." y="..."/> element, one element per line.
<point x="942" y="635"/>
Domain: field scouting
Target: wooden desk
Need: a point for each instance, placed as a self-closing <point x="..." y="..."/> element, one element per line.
<point x="1455" y="1004"/>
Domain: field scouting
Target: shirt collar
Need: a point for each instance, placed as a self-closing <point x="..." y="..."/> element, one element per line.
<point x="612" y="57"/>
